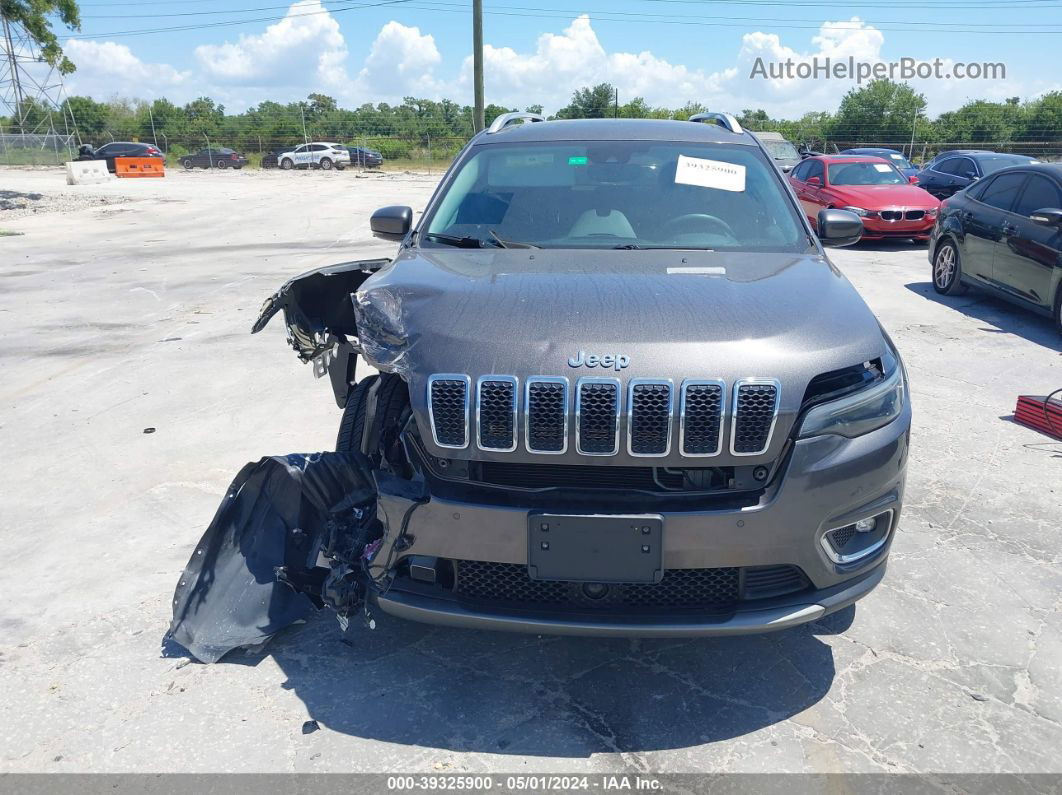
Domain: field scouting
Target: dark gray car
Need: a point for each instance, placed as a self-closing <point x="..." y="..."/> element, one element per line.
<point x="622" y="391"/>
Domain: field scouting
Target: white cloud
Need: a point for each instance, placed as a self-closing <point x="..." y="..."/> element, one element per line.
<point x="576" y="58"/>
<point x="305" y="49"/>
<point x="105" y="68"/>
<point x="401" y="61"/>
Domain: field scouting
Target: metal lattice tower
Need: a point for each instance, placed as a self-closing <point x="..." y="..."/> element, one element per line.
<point x="25" y="78"/>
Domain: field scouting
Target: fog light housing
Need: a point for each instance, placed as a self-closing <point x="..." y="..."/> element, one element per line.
<point x="859" y="540"/>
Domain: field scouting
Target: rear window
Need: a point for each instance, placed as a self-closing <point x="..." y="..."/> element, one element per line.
<point x="616" y="194"/>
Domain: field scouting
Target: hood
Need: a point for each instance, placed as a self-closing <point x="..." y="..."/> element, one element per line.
<point x="875" y="197"/>
<point x="672" y="314"/>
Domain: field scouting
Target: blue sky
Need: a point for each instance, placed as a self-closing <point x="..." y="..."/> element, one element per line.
<point x="538" y="51"/>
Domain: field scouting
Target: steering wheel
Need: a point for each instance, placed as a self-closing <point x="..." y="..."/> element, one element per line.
<point x="684" y="222"/>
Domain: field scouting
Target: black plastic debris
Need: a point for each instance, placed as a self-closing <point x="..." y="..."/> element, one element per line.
<point x="310" y="726"/>
<point x="254" y="571"/>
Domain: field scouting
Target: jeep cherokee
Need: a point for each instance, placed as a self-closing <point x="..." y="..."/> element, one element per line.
<point x="621" y="391"/>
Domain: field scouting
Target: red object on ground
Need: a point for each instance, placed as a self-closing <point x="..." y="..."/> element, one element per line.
<point x="1040" y="412"/>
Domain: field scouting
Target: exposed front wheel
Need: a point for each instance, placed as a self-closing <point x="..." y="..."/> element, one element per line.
<point x="392" y="401"/>
<point x="286" y="164"/>
<point x="947" y="270"/>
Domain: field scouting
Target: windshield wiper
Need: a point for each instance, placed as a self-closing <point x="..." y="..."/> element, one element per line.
<point x="509" y="243"/>
<point x="628" y="246"/>
<point x="459" y="242"/>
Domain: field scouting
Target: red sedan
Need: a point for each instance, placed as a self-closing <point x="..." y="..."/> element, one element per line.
<point x="871" y="187"/>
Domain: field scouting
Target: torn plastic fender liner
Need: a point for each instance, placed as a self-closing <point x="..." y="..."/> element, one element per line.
<point x="317" y="306"/>
<point x="252" y="573"/>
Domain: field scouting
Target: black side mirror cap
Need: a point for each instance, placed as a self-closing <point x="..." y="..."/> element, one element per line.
<point x="839" y="228"/>
<point x="391" y="223"/>
<point x="1048" y="216"/>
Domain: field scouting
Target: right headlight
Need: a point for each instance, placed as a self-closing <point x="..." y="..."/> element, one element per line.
<point x="861" y="412"/>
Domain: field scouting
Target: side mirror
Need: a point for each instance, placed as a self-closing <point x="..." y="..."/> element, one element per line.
<point x="913" y="179"/>
<point x="1048" y="216"/>
<point x="814" y="181"/>
<point x="391" y="223"/>
<point x="839" y="228"/>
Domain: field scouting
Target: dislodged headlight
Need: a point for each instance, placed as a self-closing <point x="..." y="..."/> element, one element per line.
<point x="861" y="412"/>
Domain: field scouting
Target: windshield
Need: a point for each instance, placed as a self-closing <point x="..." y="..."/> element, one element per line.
<point x="865" y="174"/>
<point x="996" y="162"/>
<point x="898" y="160"/>
<point x="782" y="150"/>
<point x="616" y="194"/>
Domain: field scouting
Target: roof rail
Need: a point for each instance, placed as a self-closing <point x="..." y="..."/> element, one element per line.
<point x="506" y="119"/>
<point x="722" y="119"/>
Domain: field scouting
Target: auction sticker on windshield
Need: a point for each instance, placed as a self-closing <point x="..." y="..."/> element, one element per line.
<point x="709" y="174"/>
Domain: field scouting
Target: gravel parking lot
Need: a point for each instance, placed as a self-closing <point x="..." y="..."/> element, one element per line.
<point x="132" y="392"/>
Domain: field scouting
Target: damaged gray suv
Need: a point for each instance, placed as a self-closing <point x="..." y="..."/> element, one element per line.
<point x="621" y="391"/>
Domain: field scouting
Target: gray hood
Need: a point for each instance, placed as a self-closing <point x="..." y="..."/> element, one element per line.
<point x="675" y="314"/>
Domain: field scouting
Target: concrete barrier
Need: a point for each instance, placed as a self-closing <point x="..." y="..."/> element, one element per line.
<point x="87" y="172"/>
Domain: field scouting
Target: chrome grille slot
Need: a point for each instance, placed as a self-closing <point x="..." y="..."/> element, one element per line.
<point x="496" y="413"/>
<point x="755" y="412"/>
<point x="701" y="418"/>
<point x="448" y="409"/>
<point x="649" y="407"/>
<point x="546" y="410"/>
<point x="597" y="416"/>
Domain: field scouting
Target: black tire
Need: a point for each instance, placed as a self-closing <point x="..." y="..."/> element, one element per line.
<point x="188" y="164"/>
<point x="392" y="399"/>
<point x="286" y="164"/>
<point x="326" y="164"/>
<point x="221" y="163"/>
<point x="1058" y="310"/>
<point x="946" y="272"/>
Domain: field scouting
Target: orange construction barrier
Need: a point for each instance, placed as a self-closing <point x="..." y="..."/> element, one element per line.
<point x="139" y="167"/>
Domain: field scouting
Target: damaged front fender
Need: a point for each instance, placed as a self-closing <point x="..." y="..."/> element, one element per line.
<point x="317" y="306"/>
<point x="255" y="570"/>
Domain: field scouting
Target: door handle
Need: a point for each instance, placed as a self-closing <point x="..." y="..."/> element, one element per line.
<point x="1010" y="230"/>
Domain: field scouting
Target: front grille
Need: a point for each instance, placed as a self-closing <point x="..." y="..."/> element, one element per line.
<point x="914" y="215"/>
<point x="643" y="410"/>
<point x="448" y="403"/>
<point x="891" y="215"/>
<point x="755" y="407"/>
<point x="716" y="589"/>
<point x="597" y="417"/>
<point x="496" y="413"/>
<point x="547" y="416"/>
<point x="701" y="418"/>
<point x="650" y="418"/>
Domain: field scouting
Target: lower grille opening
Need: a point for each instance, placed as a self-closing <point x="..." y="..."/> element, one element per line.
<point x="706" y="590"/>
<point x="559" y="476"/>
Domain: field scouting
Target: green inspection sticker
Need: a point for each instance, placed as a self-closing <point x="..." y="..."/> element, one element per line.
<point x="577" y="161"/>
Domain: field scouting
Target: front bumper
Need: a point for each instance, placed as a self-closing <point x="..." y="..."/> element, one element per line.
<point x="783" y="614"/>
<point x="878" y="229"/>
<point x="826" y="482"/>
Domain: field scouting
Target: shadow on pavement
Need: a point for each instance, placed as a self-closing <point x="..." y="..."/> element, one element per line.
<point x="503" y="693"/>
<point x="1001" y="316"/>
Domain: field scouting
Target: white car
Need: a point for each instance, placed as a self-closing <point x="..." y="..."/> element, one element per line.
<point x="315" y="155"/>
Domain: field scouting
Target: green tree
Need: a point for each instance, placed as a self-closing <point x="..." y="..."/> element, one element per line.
<point x="590" y="103"/>
<point x="36" y="17"/>
<point x="880" y="112"/>
<point x="88" y="116"/>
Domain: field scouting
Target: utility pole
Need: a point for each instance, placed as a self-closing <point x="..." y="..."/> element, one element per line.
<point x="477" y="63"/>
<point x="914" y="126"/>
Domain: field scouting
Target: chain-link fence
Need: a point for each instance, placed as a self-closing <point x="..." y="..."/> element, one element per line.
<point x="419" y="152"/>
<point x="30" y="149"/>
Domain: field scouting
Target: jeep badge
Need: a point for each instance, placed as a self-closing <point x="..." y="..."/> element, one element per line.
<point x="582" y="359"/>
